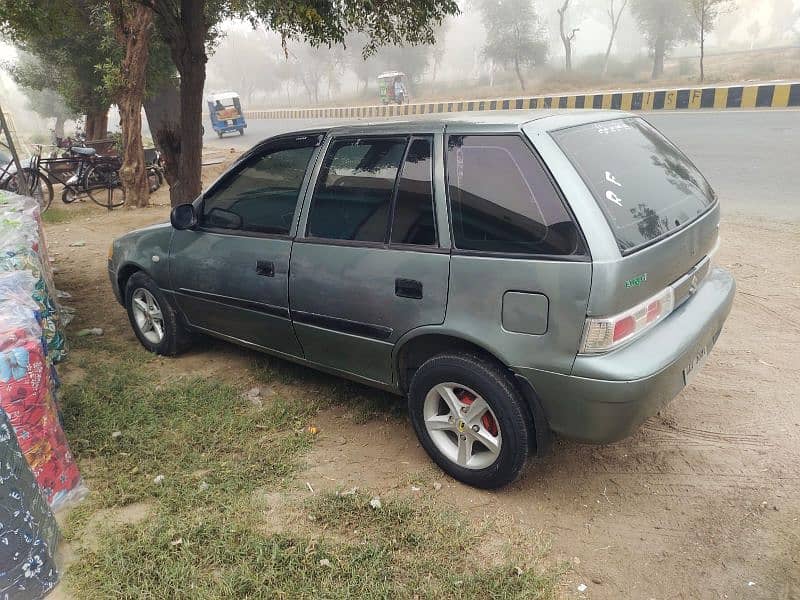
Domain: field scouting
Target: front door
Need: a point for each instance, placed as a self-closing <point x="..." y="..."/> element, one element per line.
<point x="369" y="267"/>
<point x="231" y="274"/>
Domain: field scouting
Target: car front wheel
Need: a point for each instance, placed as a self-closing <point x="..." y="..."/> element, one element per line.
<point x="471" y="419"/>
<point x="155" y="322"/>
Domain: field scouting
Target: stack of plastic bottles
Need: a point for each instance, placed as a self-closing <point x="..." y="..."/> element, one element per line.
<point x="31" y="342"/>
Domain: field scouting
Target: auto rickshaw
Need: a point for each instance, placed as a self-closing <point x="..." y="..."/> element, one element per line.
<point x="392" y="87"/>
<point x="225" y="111"/>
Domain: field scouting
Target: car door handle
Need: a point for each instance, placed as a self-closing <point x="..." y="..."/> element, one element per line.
<point x="265" y="268"/>
<point x="408" y="288"/>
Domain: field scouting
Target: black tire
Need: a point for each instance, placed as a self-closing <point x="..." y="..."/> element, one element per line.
<point x="38" y="187"/>
<point x="103" y="185"/>
<point x="176" y="338"/>
<point x="219" y="134"/>
<point x="241" y="131"/>
<point x="494" y="385"/>
<point x="42" y="189"/>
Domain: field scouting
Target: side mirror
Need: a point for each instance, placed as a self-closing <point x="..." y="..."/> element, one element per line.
<point x="183" y="216"/>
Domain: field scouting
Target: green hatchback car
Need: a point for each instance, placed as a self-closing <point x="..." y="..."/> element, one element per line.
<point x="513" y="275"/>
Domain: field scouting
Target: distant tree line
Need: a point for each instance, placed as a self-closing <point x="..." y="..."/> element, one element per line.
<point x="517" y="43"/>
<point x="515" y="36"/>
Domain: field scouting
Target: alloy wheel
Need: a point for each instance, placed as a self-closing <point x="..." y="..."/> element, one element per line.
<point x="148" y="316"/>
<point x="462" y="426"/>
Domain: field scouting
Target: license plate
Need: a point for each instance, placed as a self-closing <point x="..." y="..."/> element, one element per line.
<point x="695" y="365"/>
<point x="229" y="122"/>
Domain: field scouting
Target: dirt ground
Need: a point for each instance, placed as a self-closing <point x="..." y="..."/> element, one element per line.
<point x="703" y="502"/>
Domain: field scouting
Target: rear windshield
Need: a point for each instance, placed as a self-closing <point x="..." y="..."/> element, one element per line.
<point x="645" y="186"/>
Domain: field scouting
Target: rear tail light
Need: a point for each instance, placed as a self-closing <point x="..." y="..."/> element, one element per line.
<point x="602" y="335"/>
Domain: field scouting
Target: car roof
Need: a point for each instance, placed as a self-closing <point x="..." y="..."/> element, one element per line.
<point x="494" y="121"/>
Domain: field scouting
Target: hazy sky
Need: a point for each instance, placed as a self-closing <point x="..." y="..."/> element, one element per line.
<point x="464" y="34"/>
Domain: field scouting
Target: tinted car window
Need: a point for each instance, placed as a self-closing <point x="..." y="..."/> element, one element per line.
<point x="502" y="200"/>
<point x="354" y="189"/>
<point x="413" y="221"/>
<point x="644" y="184"/>
<point x="261" y="196"/>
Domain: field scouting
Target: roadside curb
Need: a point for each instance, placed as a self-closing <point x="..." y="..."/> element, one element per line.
<point x="771" y="95"/>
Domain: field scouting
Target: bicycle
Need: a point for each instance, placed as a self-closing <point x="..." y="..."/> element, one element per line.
<point x="90" y="174"/>
<point x="37" y="184"/>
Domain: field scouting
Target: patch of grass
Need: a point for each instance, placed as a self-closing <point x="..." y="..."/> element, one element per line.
<point x="435" y="552"/>
<point x="397" y="551"/>
<point x="174" y="428"/>
<point x="210" y="541"/>
<point x="55" y="215"/>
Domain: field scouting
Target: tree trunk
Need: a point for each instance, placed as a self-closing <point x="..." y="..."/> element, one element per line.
<point x="97" y="124"/>
<point x="614" y="17"/>
<point x="101" y="125"/>
<point x="519" y="73"/>
<point x="187" y="46"/>
<point x="608" y="53"/>
<point x="190" y="163"/>
<point x="565" y="39"/>
<point x="163" y="110"/>
<point x="132" y="29"/>
<point x="59" y="127"/>
<point x="702" y="47"/>
<point x="659" y="50"/>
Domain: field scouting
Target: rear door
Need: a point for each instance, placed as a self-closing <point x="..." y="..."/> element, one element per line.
<point x="369" y="267"/>
<point x="231" y="274"/>
<point x="520" y="271"/>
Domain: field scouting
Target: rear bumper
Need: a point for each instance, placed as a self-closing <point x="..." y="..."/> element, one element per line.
<point x="607" y="397"/>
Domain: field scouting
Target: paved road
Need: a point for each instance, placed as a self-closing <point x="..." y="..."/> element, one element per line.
<point x="752" y="158"/>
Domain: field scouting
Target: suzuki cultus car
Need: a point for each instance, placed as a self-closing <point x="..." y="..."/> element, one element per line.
<point x="512" y="275"/>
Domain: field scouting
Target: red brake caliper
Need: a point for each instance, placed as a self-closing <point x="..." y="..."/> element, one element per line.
<point x="487" y="419"/>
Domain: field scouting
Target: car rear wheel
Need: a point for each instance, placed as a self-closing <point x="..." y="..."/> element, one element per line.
<point x="471" y="419"/>
<point x="155" y="322"/>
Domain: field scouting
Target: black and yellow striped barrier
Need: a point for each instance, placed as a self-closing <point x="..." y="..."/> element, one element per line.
<point x="772" y="95"/>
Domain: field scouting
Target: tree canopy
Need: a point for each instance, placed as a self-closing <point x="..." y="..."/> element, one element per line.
<point x="80" y="39"/>
<point x="40" y="83"/>
<point x="704" y="14"/>
<point x="663" y="23"/>
<point x="189" y="27"/>
<point x="63" y="36"/>
<point x="514" y="35"/>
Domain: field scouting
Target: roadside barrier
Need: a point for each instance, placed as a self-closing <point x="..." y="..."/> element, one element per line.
<point x="768" y="95"/>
